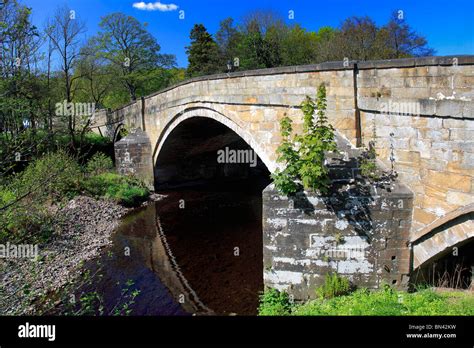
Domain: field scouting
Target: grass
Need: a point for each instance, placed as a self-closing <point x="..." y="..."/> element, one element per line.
<point x="382" y="302"/>
<point x="127" y="191"/>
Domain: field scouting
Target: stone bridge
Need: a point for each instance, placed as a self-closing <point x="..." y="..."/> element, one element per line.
<point x="420" y="111"/>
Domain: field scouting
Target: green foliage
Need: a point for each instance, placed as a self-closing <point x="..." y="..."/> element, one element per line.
<point x="389" y="302"/>
<point x="368" y="164"/>
<point x="383" y="302"/>
<point x="125" y="190"/>
<point x="23" y="210"/>
<point x="49" y="177"/>
<point x="274" y="302"/>
<point x="299" y="46"/>
<point x="203" y="53"/>
<point x="98" y="164"/>
<point x="264" y="40"/>
<point x="97" y="140"/>
<point x="285" y="180"/>
<point x="334" y="285"/>
<point x="227" y="39"/>
<point x="307" y="162"/>
<point x="54" y="176"/>
<point x="131" y="50"/>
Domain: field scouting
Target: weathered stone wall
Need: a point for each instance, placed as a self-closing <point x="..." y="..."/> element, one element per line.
<point x="133" y="156"/>
<point x="427" y="114"/>
<point x="362" y="236"/>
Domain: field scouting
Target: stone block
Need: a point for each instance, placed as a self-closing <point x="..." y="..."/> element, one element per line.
<point x="459" y="198"/>
<point x="422" y="216"/>
<point x="449" y="180"/>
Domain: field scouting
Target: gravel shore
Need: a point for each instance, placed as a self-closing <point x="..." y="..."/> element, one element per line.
<point x="82" y="229"/>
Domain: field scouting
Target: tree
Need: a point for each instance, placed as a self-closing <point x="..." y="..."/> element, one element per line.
<point x="299" y="47"/>
<point x="21" y="84"/>
<point x="304" y="156"/>
<point x="402" y="41"/>
<point x="327" y="48"/>
<point x="228" y="38"/>
<point x="357" y="38"/>
<point x="203" y="53"/>
<point x="64" y="31"/>
<point x="260" y="46"/>
<point x="97" y="76"/>
<point x="129" y="47"/>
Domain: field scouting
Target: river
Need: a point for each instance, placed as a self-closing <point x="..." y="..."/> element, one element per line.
<point x="195" y="251"/>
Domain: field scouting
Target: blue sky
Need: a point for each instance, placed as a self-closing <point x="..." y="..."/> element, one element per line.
<point x="448" y="26"/>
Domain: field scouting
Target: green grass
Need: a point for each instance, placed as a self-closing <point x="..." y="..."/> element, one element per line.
<point x="383" y="302"/>
<point x="125" y="190"/>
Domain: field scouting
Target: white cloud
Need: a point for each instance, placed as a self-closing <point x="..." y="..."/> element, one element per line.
<point x="155" y="6"/>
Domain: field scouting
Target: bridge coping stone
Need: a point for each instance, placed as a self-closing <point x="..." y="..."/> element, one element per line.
<point x="330" y="66"/>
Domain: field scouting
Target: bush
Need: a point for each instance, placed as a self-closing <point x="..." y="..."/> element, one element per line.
<point x="334" y="285"/>
<point x="125" y="190"/>
<point x="98" y="164"/>
<point x="304" y="156"/>
<point x="23" y="213"/>
<point x="54" y="176"/>
<point x="274" y="302"/>
<point x="368" y="164"/>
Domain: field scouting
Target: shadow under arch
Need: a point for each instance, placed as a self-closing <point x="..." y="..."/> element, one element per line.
<point x="117" y="130"/>
<point x="206" y="112"/>
<point x="200" y="145"/>
<point x="443" y="254"/>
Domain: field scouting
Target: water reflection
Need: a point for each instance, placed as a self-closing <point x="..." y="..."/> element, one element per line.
<point x="194" y="251"/>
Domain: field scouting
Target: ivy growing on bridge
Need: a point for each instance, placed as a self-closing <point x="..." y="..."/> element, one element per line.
<point x="304" y="155"/>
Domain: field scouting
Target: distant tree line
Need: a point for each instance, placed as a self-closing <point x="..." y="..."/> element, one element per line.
<point x="264" y="40"/>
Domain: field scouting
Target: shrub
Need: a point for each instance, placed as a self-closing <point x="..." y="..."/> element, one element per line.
<point x="96" y="139"/>
<point x="304" y="157"/>
<point x="23" y="213"/>
<point x="98" y="164"/>
<point x="50" y="178"/>
<point x="334" y="285"/>
<point x="368" y="163"/>
<point x="53" y="176"/>
<point x="125" y="190"/>
<point x="274" y="302"/>
<point x="24" y="201"/>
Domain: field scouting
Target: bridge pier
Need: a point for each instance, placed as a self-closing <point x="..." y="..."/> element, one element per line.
<point x="133" y="156"/>
<point x="361" y="235"/>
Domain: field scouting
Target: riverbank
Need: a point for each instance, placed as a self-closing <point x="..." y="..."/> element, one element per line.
<point x="82" y="228"/>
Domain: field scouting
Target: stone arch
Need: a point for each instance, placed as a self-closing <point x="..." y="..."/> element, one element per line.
<point x="219" y="117"/>
<point x="439" y="237"/>
<point x="117" y="131"/>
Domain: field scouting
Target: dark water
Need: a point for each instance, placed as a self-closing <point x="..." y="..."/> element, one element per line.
<point x="194" y="251"/>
